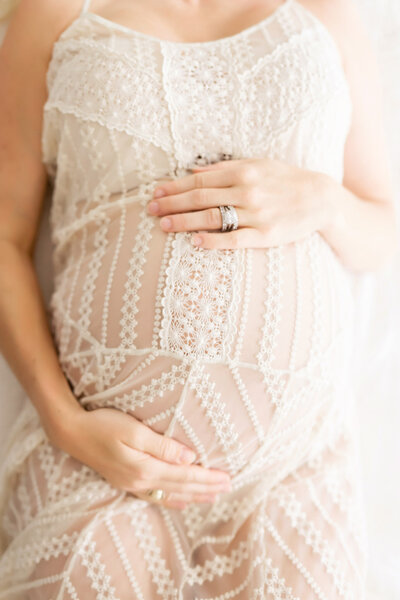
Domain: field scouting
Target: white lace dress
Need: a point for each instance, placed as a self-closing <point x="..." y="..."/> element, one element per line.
<point x="243" y="355"/>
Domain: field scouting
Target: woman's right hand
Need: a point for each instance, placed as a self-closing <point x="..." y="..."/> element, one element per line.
<point x="133" y="457"/>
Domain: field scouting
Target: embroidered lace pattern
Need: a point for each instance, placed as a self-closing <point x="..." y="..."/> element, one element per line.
<point x="243" y="355"/>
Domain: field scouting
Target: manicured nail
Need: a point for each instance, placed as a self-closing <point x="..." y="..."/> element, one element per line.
<point x="153" y="207"/>
<point x="166" y="223"/>
<point x="196" y="240"/>
<point x="187" y="456"/>
<point x="158" y="193"/>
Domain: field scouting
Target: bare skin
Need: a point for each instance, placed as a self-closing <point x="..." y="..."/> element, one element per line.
<point x="134" y="457"/>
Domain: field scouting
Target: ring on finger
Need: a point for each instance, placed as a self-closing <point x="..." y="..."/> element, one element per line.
<point x="230" y="220"/>
<point x="156" y="494"/>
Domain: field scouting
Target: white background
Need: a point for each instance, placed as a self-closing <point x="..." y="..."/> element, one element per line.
<point x="378" y="355"/>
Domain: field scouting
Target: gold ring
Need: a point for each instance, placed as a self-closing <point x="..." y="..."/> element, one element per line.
<point x="157" y="494"/>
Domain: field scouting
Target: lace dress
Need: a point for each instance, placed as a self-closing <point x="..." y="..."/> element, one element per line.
<point x="243" y="355"/>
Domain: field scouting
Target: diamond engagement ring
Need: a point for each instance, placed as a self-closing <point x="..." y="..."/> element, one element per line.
<point x="156" y="494"/>
<point x="229" y="218"/>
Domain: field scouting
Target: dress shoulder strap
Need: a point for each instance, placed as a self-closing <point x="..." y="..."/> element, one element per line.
<point x="85" y="6"/>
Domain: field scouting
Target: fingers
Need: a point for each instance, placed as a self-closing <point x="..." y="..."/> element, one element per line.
<point x="177" y="492"/>
<point x="150" y="460"/>
<point x="141" y="437"/>
<point x="174" y="487"/>
<point x="196" y="199"/>
<point x="162" y="458"/>
<point x="159" y="471"/>
<point x="215" y="175"/>
<point x="179" y="500"/>
<point x="187" y="497"/>
<point x="174" y="491"/>
<point x="143" y="471"/>
<point x="212" y="178"/>
<point x="244" y="237"/>
<point x="221" y="164"/>
<point x="188" y="490"/>
<point x="203" y="219"/>
<point x="179" y="497"/>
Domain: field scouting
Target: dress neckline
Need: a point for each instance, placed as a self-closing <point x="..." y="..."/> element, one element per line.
<point x="243" y="33"/>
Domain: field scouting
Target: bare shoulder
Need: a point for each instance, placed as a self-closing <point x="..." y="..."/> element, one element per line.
<point x="27" y="46"/>
<point x="345" y="22"/>
<point x="24" y="56"/>
<point x="37" y="24"/>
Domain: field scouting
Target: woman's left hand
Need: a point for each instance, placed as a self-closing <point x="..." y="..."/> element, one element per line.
<point x="276" y="203"/>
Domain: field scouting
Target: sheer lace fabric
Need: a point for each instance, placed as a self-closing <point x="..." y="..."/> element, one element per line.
<point x="241" y="354"/>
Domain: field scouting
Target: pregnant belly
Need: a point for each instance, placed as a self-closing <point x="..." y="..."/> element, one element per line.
<point x="237" y="353"/>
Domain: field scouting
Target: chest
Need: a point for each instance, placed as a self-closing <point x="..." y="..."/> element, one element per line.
<point x="271" y="89"/>
<point x="189" y="21"/>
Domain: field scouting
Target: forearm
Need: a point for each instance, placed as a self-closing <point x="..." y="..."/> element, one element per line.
<point x="362" y="232"/>
<point x="25" y="339"/>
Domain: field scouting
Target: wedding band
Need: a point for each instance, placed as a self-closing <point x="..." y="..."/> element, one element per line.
<point x="229" y="216"/>
<point x="156" y="494"/>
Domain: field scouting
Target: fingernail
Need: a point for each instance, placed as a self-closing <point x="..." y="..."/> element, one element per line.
<point x="153" y="207"/>
<point x="166" y="223"/>
<point x="196" y="240"/>
<point x="188" y="456"/>
<point x="158" y="193"/>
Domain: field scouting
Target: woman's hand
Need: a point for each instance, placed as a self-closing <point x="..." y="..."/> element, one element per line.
<point x="276" y="203"/>
<point x="133" y="457"/>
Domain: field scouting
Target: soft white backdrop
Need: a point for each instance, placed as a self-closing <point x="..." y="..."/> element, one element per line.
<point x="377" y="362"/>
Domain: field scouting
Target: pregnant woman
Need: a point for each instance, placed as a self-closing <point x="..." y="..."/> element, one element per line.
<point x="177" y="323"/>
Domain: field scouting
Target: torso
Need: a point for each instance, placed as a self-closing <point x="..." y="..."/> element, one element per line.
<point x="145" y="322"/>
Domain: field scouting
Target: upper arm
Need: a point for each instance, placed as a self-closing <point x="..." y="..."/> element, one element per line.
<point x="24" y="57"/>
<point x="367" y="170"/>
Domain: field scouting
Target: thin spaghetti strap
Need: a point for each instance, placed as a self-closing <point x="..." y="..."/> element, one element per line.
<point x="85" y="6"/>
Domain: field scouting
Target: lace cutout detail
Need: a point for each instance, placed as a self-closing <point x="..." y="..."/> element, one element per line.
<point x="198" y="303"/>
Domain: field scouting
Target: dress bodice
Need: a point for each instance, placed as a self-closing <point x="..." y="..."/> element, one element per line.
<point x="126" y="108"/>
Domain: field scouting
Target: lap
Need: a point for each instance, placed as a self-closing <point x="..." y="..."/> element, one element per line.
<point x="75" y="536"/>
